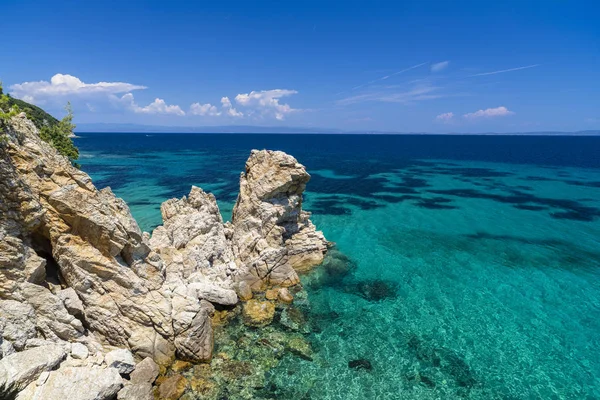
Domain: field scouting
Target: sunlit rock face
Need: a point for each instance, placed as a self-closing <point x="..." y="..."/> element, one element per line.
<point x="76" y="268"/>
<point x="272" y="236"/>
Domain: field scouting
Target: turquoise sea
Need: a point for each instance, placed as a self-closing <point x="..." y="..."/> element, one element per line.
<point x="474" y="260"/>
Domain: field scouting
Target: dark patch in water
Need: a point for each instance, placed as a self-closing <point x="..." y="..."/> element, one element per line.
<point x="529" y="207"/>
<point x="446" y="360"/>
<point x="436" y="203"/>
<point x="571" y="209"/>
<point x="375" y="290"/>
<point x="359" y="364"/>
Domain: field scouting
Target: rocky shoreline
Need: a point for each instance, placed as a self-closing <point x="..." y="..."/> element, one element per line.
<point x="91" y="307"/>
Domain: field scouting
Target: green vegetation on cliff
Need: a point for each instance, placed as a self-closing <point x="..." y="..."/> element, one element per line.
<point x="57" y="133"/>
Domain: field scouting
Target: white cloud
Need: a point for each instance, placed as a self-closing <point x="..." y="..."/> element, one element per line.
<point x="489" y="112"/>
<point x="267" y="102"/>
<point x="204" y="109"/>
<point x="228" y="107"/>
<point x="437" y="67"/>
<point x="445" y="117"/>
<point x="62" y="85"/>
<point x="158" y="106"/>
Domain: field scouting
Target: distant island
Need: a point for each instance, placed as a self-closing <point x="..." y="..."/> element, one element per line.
<point x="139" y="128"/>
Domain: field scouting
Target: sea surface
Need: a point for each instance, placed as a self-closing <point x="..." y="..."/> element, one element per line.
<point x="484" y="252"/>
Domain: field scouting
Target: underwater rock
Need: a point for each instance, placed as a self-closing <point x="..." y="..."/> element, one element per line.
<point x="271" y="294"/>
<point x="300" y="347"/>
<point x="172" y="388"/>
<point x="201" y="386"/>
<point x="294" y="319"/>
<point x="446" y="360"/>
<point x="338" y="265"/>
<point x="258" y="313"/>
<point x="180" y="366"/>
<point x="376" y="290"/>
<point x="360" y="363"/>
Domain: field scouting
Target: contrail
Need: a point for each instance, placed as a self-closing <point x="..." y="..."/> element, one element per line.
<point x="384" y="77"/>
<point x="505" y="70"/>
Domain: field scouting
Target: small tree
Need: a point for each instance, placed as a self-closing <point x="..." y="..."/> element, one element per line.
<point x="59" y="135"/>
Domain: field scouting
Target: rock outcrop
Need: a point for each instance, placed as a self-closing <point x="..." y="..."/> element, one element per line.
<point x="272" y="236"/>
<point x="76" y="268"/>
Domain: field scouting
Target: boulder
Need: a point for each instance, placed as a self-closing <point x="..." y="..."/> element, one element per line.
<point x="25" y="367"/>
<point x="172" y="388"/>
<point x="213" y="293"/>
<point x="258" y="313"/>
<point x="79" y="351"/>
<point x="136" y="391"/>
<point x="121" y="360"/>
<point x="76" y="383"/>
<point x="271" y="233"/>
<point x="146" y="371"/>
<point x="71" y="301"/>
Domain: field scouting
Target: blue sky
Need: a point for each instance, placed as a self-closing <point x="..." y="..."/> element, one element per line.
<point x="408" y="66"/>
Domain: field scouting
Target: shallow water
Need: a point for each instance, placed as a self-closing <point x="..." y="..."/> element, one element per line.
<point x="488" y="247"/>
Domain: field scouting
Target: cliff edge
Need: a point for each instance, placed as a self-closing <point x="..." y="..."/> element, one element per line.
<point x="83" y="290"/>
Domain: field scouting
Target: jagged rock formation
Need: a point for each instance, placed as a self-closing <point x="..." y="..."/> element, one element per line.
<point x="76" y="268"/>
<point x="272" y="236"/>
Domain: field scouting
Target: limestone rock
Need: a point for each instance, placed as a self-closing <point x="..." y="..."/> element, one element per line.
<point x="213" y="293"/>
<point x="136" y="391"/>
<point x="17" y="321"/>
<point x="258" y="313"/>
<point x="285" y="296"/>
<point x="172" y="388"/>
<point x="79" y="351"/>
<point x="76" y="383"/>
<point x="196" y="342"/>
<point x="24" y="367"/>
<point x="76" y="270"/>
<point x="271" y="233"/>
<point x="146" y="371"/>
<point x="121" y="360"/>
<point x="71" y="301"/>
<point x="6" y="348"/>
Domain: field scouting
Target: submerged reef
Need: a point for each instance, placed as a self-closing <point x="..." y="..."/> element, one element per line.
<point x="91" y="307"/>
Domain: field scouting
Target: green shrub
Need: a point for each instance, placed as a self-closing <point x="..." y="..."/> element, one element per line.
<point x="59" y="135"/>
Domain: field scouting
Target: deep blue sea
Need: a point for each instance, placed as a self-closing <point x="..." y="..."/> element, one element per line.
<point x="491" y="243"/>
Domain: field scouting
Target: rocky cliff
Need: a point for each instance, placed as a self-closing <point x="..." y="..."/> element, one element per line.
<point x="82" y="288"/>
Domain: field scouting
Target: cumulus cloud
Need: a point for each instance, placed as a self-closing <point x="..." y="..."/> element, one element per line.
<point x="204" y="110"/>
<point x="437" y="67"/>
<point x="489" y="113"/>
<point x="158" y="106"/>
<point x="228" y="108"/>
<point x="267" y="102"/>
<point x="445" y="117"/>
<point x="62" y="85"/>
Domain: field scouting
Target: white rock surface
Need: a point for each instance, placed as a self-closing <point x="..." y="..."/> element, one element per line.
<point x="120" y="359"/>
<point x="25" y="367"/>
<point x="146" y="371"/>
<point x="76" y="383"/>
<point x="79" y="351"/>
